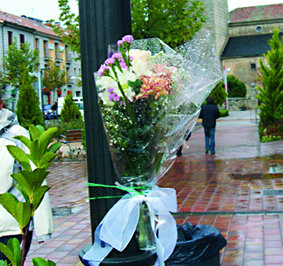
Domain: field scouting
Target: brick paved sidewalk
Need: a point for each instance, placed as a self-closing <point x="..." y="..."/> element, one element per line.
<point x="239" y="191"/>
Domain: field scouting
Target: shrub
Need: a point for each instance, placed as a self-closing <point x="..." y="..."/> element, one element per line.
<point x="28" y="110"/>
<point x="236" y="88"/>
<point x="219" y="94"/>
<point x="70" y="110"/>
<point x="64" y="126"/>
<point x="223" y="112"/>
<point x="271" y="92"/>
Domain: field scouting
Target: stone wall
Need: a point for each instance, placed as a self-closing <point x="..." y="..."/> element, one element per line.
<point x="234" y="104"/>
<point x="253" y="28"/>
<point x="217" y="15"/>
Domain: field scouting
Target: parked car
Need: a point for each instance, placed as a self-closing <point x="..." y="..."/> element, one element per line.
<point x="48" y="113"/>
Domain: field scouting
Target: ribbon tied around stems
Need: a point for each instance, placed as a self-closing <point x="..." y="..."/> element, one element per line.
<point x="119" y="224"/>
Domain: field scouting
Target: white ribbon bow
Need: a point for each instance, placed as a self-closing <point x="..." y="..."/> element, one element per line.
<point x="119" y="224"/>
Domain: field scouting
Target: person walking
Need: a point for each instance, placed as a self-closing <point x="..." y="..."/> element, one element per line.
<point x="42" y="223"/>
<point x="209" y="113"/>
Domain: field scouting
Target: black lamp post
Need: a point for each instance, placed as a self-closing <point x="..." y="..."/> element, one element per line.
<point x="102" y="22"/>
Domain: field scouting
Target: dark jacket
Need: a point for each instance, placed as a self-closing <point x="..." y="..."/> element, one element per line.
<point x="209" y="113"/>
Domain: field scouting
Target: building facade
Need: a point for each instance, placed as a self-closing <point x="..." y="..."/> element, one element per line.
<point x="41" y="37"/>
<point x="249" y="31"/>
<point x="217" y="15"/>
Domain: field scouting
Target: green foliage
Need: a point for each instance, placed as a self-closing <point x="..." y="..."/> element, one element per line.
<point x="219" y="94"/>
<point x="42" y="262"/>
<point x="28" y="110"/>
<point x="174" y="22"/>
<point x="16" y="59"/>
<point x="70" y="110"/>
<point x="29" y="183"/>
<point x="271" y="78"/>
<point x="223" y="112"/>
<point x="236" y="88"/>
<point x="54" y="78"/>
<point x="12" y="251"/>
<point x="70" y="32"/>
<point x="64" y="126"/>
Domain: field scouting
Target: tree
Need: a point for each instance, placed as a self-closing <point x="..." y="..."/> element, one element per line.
<point x="70" y="34"/>
<point x="174" y="22"/>
<point x="236" y="88"/>
<point x="28" y="110"/>
<point x="54" y="78"/>
<point x="271" y="78"/>
<point x="70" y="110"/>
<point x="219" y="94"/>
<point x="17" y="59"/>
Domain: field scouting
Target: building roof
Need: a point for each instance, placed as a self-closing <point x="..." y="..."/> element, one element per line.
<point x="247" y="46"/>
<point x="30" y="23"/>
<point x="256" y="13"/>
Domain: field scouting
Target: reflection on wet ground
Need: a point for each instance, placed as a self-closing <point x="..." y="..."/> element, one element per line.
<point x="226" y="185"/>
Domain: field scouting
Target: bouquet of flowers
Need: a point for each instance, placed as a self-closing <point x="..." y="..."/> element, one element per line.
<point x="150" y="98"/>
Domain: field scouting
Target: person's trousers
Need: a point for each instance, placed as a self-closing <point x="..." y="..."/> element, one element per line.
<point x="209" y="139"/>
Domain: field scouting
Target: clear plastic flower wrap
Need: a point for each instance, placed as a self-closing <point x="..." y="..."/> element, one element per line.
<point x="150" y="98"/>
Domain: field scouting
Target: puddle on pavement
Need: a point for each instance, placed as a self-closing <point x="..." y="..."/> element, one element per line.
<point x="65" y="211"/>
<point x="275" y="171"/>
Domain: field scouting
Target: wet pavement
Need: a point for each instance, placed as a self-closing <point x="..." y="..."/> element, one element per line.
<point x="239" y="190"/>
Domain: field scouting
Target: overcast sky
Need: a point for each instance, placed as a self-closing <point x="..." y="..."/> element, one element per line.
<point x="46" y="10"/>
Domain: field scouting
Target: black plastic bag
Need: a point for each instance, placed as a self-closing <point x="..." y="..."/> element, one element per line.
<point x="196" y="243"/>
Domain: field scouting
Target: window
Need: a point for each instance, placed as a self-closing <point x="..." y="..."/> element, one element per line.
<point x="258" y="28"/>
<point x="22" y="38"/>
<point x="36" y="43"/>
<point x="10" y="37"/>
<point x="57" y="51"/>
<point x="253" y="66"/>
<point x="68" y="72"/>
<point x="45" y="49"/>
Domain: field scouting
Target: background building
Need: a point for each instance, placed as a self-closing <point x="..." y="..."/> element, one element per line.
<point x="41" y="37"/>
<point x="249" y="31"/>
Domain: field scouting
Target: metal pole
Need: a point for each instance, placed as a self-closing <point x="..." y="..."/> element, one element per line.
<point x="102" y="22"/>
<point x="225" y="86"/>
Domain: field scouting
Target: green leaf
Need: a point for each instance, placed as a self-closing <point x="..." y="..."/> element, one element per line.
<point x="19" y="156"/>
<point x="41" y="128"/>
<point x="42" y="262"/>
<point x="14" y="245"/>
<point x="19" y="210"/>
<point x="8" y="253"/>
<point x="23" y="181"/>
<point x="45" y="139"/>
<point x="34" y="152"/>
<point x="54" y="147"/>
<point x="3" y="263"/>
<point x="24" y="140"/>
<point x="46" y="159"/>
<point x="34" y="132"/>
<point x="38" y="196"/>
<point x="35" y="177"/>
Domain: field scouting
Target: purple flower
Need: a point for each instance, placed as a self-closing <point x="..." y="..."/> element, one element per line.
<point x="123" y="64"/>
<point x="110" y="90"/>
<point x="110" y="61"/>
<point x="111" y="97"/>
<point x="116" y="98"/>
<point x="119" y="43"/>
<point x="128" y="38"/>
<point x="102" y="70"/>
<point x="117" y="55"/>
